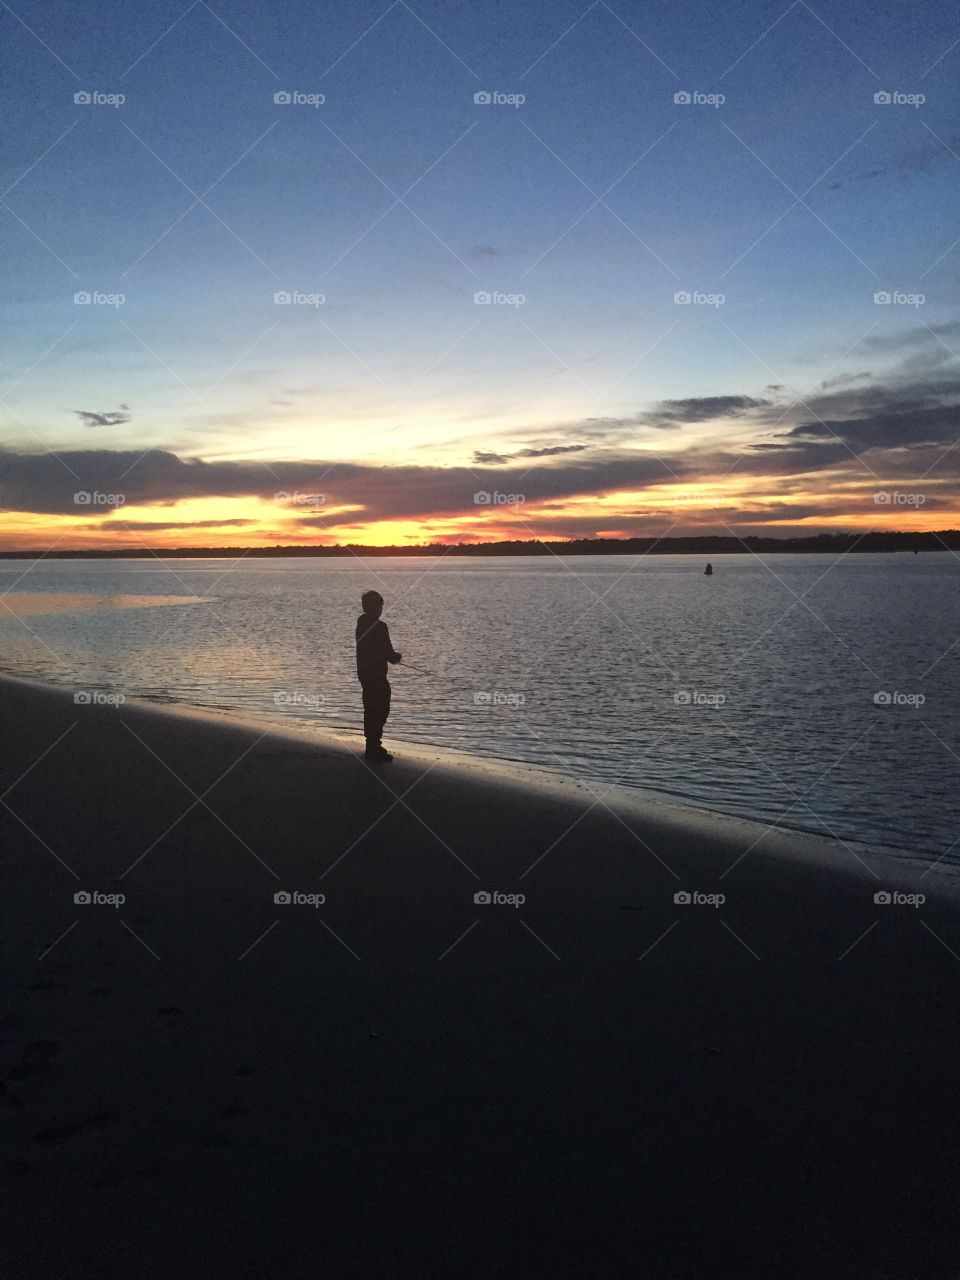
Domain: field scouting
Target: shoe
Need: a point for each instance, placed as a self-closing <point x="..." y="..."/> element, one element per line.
<point x="379" y="756"/>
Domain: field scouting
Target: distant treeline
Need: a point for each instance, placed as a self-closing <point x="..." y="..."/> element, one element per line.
<point x="836" y="543"/>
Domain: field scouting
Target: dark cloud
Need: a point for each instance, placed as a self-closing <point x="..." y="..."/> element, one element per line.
<point x="670" y="414"/>
<point x="886" y="430"/>
<point x="550" y="451"/>
<point x="917" y="159"/>
<point x="482" y="457"/>
<point x="908" y="396"/>
<point x="843" y="380"/>
<point x="91" y="419"/>
<point x="667" y="415"/>
<point x="47" y="482"/>
<point x="898" y="429"/>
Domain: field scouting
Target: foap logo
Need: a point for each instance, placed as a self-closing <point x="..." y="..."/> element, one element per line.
<point x="93" y="298"/>
<point x="297" y="698"/>
<point x="896" y="298"/>
<point x="94" y="898"/>
<point x="97" y="698"/>
<point x="494" y="98"/>
<point x="695" y="298"/>
<point x="882" y="698"/>
<point x="497" y="699"/>
<point x="94" y="498"/>
<point x="493" y="898"/>
<point x="486" y="498"/>
<point x="894" y="98"/>
<point x="294" y="898"/>
<point x="694" y="98"/>
<point x="894" y="898"/>
<point x="698" y="698"/>
<point x="894" y="498"/>
<point x="497" y="299"/>
<point x="94" y="98"/>
<point x="294" y="298"/>
<point x="294" y="98"/>
<point x="694" y="898"/>
<point x="296" y="498"/>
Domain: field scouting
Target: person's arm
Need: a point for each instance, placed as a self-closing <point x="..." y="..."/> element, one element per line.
<point x="392" y="656"/>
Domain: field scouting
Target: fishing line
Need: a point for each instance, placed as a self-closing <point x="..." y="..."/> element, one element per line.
<point x="424" y="670"/>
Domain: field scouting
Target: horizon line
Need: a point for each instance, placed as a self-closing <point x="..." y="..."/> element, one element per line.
<point x="725" y="544"/>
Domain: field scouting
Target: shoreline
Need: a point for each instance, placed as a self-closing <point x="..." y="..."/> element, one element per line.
<point x="413" y="1080"/>
<point x="641" y="802"/>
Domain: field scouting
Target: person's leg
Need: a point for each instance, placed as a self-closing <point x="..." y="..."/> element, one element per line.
<point x="371" y="728"/>
<point x="384" y="707"/>
<point x="376" y="708"/>
<point x="379" y="711"/>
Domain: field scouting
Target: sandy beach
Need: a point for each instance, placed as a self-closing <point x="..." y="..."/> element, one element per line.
<point x="579" y="1077"/>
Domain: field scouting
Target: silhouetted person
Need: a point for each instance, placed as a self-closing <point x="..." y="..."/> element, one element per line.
<point x="708" y="570"/>
<point x="374" y="651"/>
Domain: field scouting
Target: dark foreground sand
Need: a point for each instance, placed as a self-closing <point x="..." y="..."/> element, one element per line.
<point x="403" y="1083"/>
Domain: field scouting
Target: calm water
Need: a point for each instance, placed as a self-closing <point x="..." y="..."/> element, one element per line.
<point x="751" y="692"/>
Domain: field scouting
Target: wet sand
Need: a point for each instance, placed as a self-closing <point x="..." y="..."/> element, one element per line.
<point x="403" y="1081"/>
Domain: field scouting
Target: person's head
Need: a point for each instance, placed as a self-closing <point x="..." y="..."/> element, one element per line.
<point x="372" y="602"/>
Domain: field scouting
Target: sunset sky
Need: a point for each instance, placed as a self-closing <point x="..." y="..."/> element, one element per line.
<point x="284" y="343"/>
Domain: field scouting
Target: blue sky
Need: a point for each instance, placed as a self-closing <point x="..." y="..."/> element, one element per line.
<point x="596" y="201"/>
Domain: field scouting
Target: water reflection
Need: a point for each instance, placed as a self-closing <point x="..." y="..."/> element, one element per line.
<point x="726" y="694"/>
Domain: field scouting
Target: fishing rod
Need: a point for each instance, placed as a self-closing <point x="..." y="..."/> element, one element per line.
<point x="480" y="697"/>
<point x="424" y="670"/>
